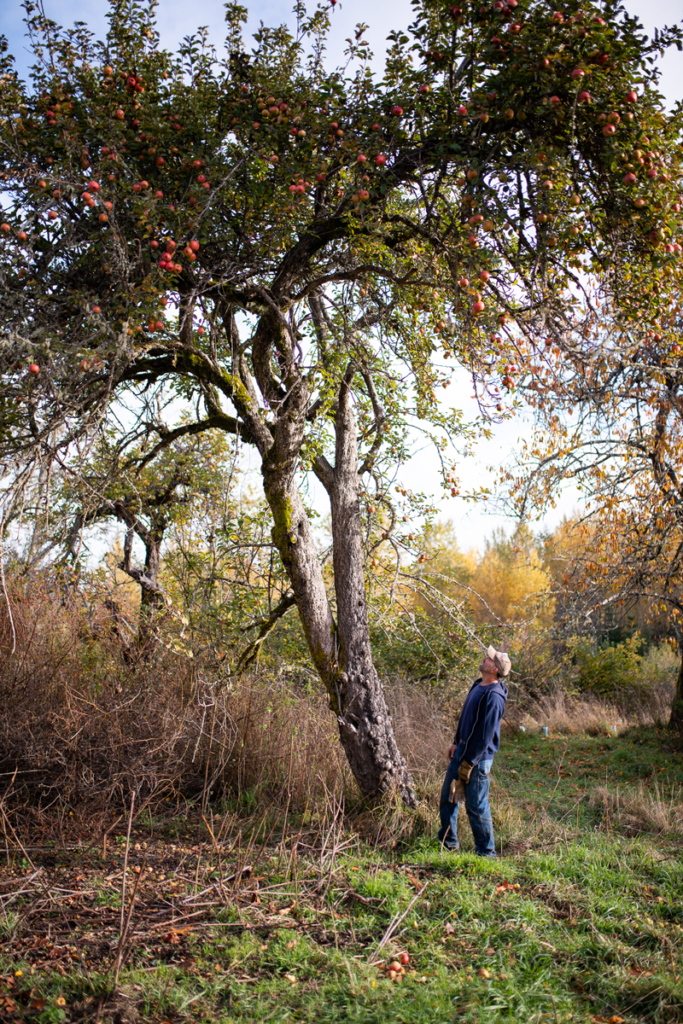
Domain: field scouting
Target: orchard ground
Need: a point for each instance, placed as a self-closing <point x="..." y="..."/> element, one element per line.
<point x="251" y="913"/>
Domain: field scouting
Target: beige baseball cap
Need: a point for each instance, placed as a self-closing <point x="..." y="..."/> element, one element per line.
<point x="501" y="660"/>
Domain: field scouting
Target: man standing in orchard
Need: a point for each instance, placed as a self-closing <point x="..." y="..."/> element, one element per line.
<point x="457" y="207"/>
<point x="476" y="741"/>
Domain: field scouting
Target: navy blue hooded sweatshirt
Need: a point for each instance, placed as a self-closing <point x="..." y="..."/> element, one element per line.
<point x="479" y="725"/>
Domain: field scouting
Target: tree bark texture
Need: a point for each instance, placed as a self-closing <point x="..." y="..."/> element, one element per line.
<point x="365" y="727"/>
<point x="340" y="650"/>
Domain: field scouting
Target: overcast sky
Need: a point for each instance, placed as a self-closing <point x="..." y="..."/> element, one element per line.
<point x="178" y="18"/>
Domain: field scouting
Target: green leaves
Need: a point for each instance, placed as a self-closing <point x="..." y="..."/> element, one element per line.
<point x="480" y="158"/>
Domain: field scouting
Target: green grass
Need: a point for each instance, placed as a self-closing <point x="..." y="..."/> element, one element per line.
<point x="585" y="925"/>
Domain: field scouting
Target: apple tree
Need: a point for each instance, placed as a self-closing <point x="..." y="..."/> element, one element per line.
<point x="303" y="255"/>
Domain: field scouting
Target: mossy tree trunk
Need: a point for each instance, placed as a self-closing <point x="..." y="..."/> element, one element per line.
<point x="340" y="649"/>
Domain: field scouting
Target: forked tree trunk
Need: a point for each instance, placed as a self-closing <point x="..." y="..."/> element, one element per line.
<point x="151" y="596"/>
<point x="152" y="599"/>
<point x="341" y="651"/>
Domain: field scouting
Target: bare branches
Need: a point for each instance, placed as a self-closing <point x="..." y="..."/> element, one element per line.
<point x="265" y="627"/>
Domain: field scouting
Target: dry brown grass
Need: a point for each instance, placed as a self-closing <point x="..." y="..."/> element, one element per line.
<point x="589" y="715"/>
<point x="85" y="726"/>
<point x="643" y="808"/>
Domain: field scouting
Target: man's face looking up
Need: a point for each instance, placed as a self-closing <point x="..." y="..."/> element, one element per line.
<point x="488" y="668"/>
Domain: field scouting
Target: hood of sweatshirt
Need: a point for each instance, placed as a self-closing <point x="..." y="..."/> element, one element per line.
<point x="499" y="687"/>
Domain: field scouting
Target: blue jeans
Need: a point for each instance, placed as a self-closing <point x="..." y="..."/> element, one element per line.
<point x="476" y="804"/>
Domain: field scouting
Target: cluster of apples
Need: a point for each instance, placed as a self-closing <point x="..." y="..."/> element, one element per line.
<point x="396" y="969"/>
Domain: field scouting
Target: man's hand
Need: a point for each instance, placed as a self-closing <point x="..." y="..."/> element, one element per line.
<point x="464" y="772"/>
<point x="451" y="751"/>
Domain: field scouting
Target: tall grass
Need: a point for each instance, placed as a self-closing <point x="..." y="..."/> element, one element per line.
<point x="86" y="721"/>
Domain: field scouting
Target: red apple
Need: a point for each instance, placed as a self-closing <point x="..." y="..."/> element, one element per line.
<point x="555" y="100"/>
<point x="34" y="368"/>
<point x="424" y="89"/>
<point x="462" y="109"/>
<point x="631" y="97"/>
<point x="584" y="97"/>
<point x="22" y="236"/>
<point x="364" y="194"/>
<point x="463" y="282"/>
<point x="478" y="307"/>
<point x="320" y="177"/>
<point x="103" y="218"/>
<point x="397" y="111"/>
<point x="630" y="178"/>
<point x="84" y="364"/>
<point x="404" y="959"/>
<point x="5" y="227"/>
<point x="119" y="115"/>
<point x="52" y="215"/>
<point x="361" y="158"/>
<point x="608" y="129"/>
<point x="380" y="159"/>
<point x="200" y="330"/>
<point x="96" y="309"/>
<point x="652" y="173"/>
<point x="484" y="276"/>
<point x="154" y="244"/>
<point x="577" y="73"/>
<point x="194" y="245"/>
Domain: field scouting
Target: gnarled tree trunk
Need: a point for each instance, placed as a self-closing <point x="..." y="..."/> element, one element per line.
<point x="340" y="650"/>
<point x="364" y="722"/>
